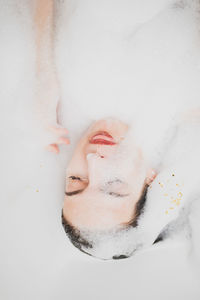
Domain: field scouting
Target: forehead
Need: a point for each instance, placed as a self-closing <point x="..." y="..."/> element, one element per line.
<point x="95" y="210"/>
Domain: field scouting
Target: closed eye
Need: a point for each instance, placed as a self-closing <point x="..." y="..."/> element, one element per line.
<point x="74" y="177"/>
<point x="83" y="179"/>
<point x="103" y="189"/>
<point x="75" y="185"/>
<point x="116" y="194"/>
<point x="114" y="184"/>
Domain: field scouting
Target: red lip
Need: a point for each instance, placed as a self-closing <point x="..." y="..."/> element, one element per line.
<point x="102" y="138"/>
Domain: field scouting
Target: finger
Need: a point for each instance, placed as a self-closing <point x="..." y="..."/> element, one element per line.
<point x="53" y="148"/>
<point x="59" y="131"/>
<point x="63" y="140"/>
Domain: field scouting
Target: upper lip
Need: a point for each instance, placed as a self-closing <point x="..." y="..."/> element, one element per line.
<point x="102" y="137"/>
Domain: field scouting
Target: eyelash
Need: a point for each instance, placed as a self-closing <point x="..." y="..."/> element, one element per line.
<point x="115" y="194"/>
<point x="118" y="195"/>
<point x="75" y="178"/>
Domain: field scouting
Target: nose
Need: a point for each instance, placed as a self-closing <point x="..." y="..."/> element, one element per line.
<point x="95" y="168"/>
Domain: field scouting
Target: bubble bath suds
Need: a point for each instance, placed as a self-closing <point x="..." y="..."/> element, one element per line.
<point x="133" y="60"/>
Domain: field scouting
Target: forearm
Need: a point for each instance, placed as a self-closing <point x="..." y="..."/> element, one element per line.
<point x="46" y="82"/>
<point x="43" y="20"/>
<point x="47" y="94"/>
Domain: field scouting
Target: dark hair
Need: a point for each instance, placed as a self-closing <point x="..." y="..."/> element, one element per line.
<point x="74" y="235"/>
<point x="139" y="207"/>
<point x="78" y="241"/>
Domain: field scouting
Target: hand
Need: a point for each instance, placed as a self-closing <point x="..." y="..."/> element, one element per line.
<point x="60" y="133"/>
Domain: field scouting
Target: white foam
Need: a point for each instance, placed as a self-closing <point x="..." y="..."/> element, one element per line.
<point x="136" y="60"/>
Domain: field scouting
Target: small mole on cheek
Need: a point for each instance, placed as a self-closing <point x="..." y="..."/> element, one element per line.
<point x="102" y="156"/>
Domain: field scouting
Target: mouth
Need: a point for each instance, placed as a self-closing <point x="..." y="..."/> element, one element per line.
<point x="102" y="138"/>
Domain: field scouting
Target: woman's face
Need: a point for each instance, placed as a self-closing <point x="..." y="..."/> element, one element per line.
<point x="105" y="178"/>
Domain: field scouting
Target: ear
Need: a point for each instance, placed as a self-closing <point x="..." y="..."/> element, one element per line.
<point x="151" y="175"/>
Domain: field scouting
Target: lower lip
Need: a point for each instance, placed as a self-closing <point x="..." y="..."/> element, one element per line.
<point x="102" y="138"/>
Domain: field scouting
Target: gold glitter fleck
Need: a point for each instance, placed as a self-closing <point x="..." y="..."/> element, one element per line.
<point x="180" y="194"/>
<point x="173" y="175"/>
<point x="177" y="184"/>
<point x="37" y="191"/>
<point x="171" y="208"/>
<point x="166" y="212"/>
<point x="165" y="195"/>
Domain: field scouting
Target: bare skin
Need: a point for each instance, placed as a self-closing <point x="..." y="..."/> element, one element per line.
<point x="96" y="206"/>
<point x="48" y="87"/>
<point x="94" y="200"/>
